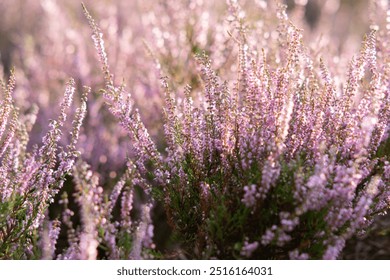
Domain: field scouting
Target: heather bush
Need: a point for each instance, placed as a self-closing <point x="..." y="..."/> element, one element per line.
<point x="45" y="45"/>
<point x="30" y="180"/>
<point x="50" y="34"/>
<point x="279" y="164"/>
<point x="241" y="137"/>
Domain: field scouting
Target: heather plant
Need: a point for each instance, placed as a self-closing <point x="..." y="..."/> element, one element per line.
<point x="67" y="54"/>
<point x="30" y="180"/>
<point x="244" y="139"/>
<point x="279" y="164"/>
<point x="100" y="233"/>
<point x="64" y="54"/>
<point x="50" y="34"/>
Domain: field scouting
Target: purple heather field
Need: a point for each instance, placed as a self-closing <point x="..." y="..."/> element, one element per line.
<point x="194" y="129"/>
